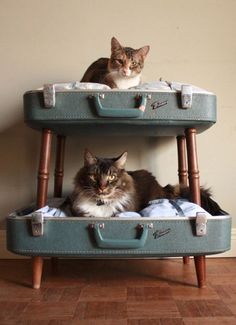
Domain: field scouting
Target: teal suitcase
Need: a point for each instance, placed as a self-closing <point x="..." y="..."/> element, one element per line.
<point x="117" y="112"/>
<point x="33" y="235"/>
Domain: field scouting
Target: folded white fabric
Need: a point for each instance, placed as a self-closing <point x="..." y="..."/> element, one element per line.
<point x="169" y="86"/>
<point x="161" y="208"/>
<point x="165" y="208"/>
<point x="76" y="85"/>
<point x="52" y="212"/>
<point x="128" y="214"/>
<point x="151" y="86"/>
<point x="171" y="208"/>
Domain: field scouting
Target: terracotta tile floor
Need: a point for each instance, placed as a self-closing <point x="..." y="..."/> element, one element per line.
<point x="118" y="292"/>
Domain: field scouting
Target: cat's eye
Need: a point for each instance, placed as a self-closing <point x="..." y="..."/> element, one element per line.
<point x="134" y="65"/>
<point x="111" y="178"/>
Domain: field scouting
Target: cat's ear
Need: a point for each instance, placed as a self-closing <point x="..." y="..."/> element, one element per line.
<point x="143" y="51"/>
<point x="121" y="160"/>
<point x="89" y="158"/>
<point x="115" y="45"/>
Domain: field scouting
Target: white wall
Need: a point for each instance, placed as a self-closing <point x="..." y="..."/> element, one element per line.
<point x="54" y="41"/>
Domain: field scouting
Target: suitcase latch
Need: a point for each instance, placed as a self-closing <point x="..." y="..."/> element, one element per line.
<point x="37" y="224"/>
<point x="186" y="96"/>
<point x="201" y="224"/>
<point x="49" y="95"/>
<point x="49" y="91"/>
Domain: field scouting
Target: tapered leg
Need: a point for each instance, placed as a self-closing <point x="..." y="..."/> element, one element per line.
<point x="194" y="184"/>
<point x="37" y="268"/>
<point x="58" y="180"/>
<point x="42" y="190"/>
<point x="182" y="171"/>
<point x="200" y="266"/>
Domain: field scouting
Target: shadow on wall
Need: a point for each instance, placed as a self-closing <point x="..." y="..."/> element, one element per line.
<point x="20" y="147"/>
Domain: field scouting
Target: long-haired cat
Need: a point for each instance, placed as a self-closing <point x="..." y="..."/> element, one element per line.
<point x="122" y="70"/>
<point x="104" y="188"/>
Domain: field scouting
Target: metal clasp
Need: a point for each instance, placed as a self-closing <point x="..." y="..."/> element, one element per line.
<point x="149" y="225"/>
<point x="201" y="224"/>
<point x="49" y="95"/>
<point x="37" y="224"/>
<point x="100" y="225"/>
<point x="186" y="96"/>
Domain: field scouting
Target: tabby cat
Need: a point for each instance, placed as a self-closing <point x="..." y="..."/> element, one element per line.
<point x="104" y="188"/>
<point x="122" y="70"/>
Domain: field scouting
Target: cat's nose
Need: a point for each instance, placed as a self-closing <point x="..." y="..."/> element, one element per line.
<point x="126" y="72"/>
<point x="101" y="188"/>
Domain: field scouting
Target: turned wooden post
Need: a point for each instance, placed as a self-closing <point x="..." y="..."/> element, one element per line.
<point x="43" y="171"/>
<point x="182" y="170"/>
<point x="59" y="167"/>
<point x="42" y="190"/>
<point x="193" y="171"/>
<point x="194" y="184"/>
<point x="182" y="160"/>
<point x="58" y="181"/>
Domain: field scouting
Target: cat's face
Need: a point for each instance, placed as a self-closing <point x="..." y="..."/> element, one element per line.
<point x="102" y="178"/>
<point x="125" y="61"/>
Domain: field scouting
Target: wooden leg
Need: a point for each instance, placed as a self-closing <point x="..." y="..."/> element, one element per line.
<point x="182" y="171"/>
<point x="186" y="260"/>
<point x="193" y="172"/>
<point x="59" y="168"/>
<point x="42" y="190"/>
<point x="43" y="172"/>
<point x="194" y="184"/>
<point x="58" y="181"/>
<point x="182" y="160"/>
<point x="37" y="268"/>
<point x="200" y="266"/>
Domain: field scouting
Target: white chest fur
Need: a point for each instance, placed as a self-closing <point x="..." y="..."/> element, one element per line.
<point x="106" y="210"/>
<point x="126" y="82"/>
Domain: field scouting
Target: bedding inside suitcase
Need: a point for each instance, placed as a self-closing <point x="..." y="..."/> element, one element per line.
<point x="37" y="233"/>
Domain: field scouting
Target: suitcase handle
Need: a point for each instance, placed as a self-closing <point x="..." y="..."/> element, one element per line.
<point x="119" y="112"/>
<point x="120" y="243"/>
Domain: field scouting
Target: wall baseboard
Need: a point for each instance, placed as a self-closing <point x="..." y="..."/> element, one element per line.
<point x="5" y="254"/>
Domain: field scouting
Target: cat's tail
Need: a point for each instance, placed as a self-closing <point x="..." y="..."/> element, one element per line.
<point x="207" y="202"/>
